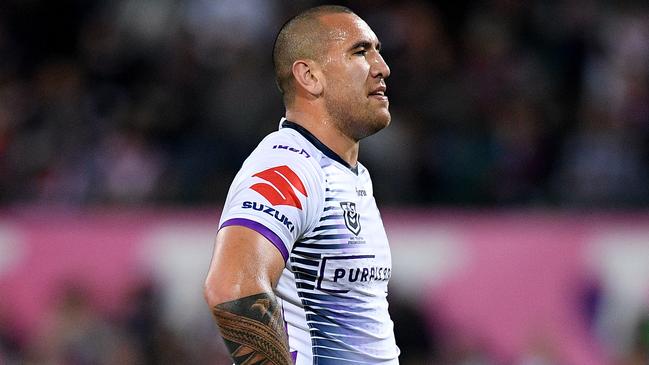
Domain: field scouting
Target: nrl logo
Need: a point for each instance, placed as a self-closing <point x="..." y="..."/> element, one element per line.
<point x="352" y="217"/>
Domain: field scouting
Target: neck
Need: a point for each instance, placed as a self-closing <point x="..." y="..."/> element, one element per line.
<point x="328" y="132"/>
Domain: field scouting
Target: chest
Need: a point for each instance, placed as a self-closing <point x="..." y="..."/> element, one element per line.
<point x="348" y="247"/>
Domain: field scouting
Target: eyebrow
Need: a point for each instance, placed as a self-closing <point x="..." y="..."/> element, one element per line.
<point x="365" y="44"/>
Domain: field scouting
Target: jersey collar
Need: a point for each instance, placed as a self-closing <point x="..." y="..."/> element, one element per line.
<point x="319" y="145"/>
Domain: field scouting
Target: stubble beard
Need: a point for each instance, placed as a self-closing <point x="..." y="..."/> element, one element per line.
<point x="357" y="120"/>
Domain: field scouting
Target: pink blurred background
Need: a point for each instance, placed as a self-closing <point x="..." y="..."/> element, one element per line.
<point x="499" y="288"/>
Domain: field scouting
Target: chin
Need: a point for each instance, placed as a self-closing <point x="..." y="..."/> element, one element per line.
<point x="384" y="119"/>
<point x="375" y="125"/>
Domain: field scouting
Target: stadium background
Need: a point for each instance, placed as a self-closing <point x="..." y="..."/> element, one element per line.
<point x="513" y="177"/>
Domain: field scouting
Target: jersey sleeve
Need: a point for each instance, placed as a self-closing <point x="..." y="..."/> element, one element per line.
<point x="278" y="193"/>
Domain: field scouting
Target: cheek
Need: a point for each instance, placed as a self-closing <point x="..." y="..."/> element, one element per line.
<point x="356" y="81"/>
<point x="349" y="81"/>
<point x="360" y="73"/>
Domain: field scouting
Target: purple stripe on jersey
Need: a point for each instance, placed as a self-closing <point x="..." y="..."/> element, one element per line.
<point x="261" y="229"/>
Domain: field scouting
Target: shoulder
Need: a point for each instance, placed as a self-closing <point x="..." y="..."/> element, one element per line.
<point x="284" y="159"/>
<point x="289" y="142"/>
<point x="281" y="185"/>
<point x="286" y="147"/>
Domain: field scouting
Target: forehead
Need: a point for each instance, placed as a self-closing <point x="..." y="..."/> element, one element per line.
<point x="346" y="29"/>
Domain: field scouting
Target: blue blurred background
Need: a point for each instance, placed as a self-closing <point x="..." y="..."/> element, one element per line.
<point x="115" y="110"/>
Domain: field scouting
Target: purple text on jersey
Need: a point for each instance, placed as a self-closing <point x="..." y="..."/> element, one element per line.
<point x="292" y="149"/>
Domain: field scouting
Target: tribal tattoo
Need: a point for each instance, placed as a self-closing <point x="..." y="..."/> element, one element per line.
<point x="253" y="330"/>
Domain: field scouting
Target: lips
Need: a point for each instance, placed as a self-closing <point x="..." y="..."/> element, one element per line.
<point x="379" y="93"/>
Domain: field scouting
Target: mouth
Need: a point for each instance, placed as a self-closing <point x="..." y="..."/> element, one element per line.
<point x="379" y="93"/>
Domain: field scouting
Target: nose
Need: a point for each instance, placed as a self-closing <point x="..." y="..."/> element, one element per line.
<point x="379" y="67"/>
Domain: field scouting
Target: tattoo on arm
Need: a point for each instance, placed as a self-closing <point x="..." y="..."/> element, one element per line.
<point x="253" y="330"/>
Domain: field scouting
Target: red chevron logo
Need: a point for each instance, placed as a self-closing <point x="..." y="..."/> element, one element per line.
<point x="280" y="187"/>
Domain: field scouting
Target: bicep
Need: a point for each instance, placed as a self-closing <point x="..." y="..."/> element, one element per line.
<point x="239" y="289"/>
<point x="244" y="263"/>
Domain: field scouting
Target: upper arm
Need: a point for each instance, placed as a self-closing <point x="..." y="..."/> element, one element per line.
<point x="273" y="200"/>
<point x="278" y="198"/>
<point x="244" y="262"/>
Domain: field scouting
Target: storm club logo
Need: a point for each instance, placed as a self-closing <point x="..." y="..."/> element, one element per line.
<point x="352" y="217"/>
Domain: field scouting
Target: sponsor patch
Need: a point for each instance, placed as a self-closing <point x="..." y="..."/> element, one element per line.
<point x="280" y="186"/>
<point x="279" y="216"/>
<point x="339" y="273"/>
<point x="292" y="149"/>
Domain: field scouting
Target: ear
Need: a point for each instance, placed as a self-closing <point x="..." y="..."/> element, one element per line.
<point x="308" y="76"/>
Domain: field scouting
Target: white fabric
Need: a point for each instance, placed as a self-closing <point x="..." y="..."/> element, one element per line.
<point x="334" y="287"/>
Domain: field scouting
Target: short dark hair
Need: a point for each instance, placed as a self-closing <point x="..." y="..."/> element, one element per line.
<point x="300" y="37"/>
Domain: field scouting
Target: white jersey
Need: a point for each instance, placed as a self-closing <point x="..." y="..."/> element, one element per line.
<point x="321" y="215"/>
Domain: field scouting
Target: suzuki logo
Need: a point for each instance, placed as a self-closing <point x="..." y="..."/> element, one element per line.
<point x="280" y="187"/>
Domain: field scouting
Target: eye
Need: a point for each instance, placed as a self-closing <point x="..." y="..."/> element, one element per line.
<point x="361" y="52"/>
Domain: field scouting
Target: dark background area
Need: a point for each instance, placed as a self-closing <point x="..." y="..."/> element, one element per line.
<point x="495" y="104"/>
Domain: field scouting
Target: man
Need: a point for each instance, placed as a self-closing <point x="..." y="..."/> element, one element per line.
<point x="301" y="262"/>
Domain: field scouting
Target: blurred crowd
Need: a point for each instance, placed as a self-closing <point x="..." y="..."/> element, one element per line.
<point x="79" y="332"/>
<point x="494" y="103"/>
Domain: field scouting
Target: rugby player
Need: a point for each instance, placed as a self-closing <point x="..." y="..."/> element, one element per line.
<point x="300" y="269"/>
